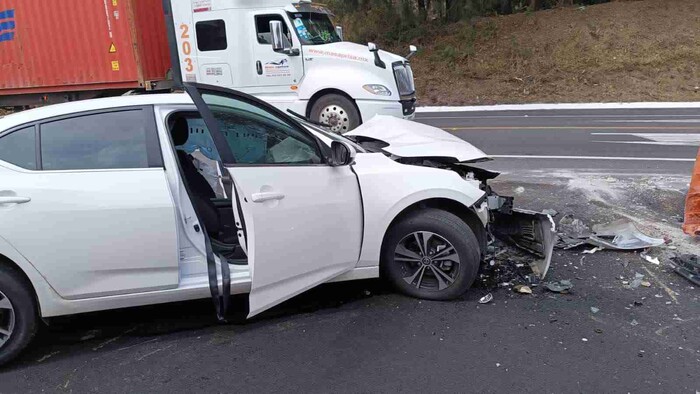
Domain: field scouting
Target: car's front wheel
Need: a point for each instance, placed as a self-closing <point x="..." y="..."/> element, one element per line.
<point x="431" y="254"/>
<point x="19" y="320"/>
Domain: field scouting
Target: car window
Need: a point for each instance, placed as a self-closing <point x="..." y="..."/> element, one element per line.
<point x="211" y="35"/>
<point x="199" y="139"/>
<point x="257" y="136"/>
<point x="19" y="148"/>
<point x="98" y="141"/>
<point x="262" y="27"/>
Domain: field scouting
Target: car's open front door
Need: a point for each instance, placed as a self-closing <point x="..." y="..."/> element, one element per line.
<point x="302" y="216"/>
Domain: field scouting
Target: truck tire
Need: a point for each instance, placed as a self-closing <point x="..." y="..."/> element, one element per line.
<point x="336" y="111"/>
<point x="431" y="254"/>
<point x="19" y="320"/>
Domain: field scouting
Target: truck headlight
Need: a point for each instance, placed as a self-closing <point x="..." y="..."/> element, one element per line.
<point x="379" y="90"/>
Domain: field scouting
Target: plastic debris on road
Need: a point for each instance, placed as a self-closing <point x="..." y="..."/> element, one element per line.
<point x="653" y="260"/>
<point x="687" y="266"/>
<point x="591" y="251"/>
<point x="618" y="235"/>
<point x="594" y="309"/>
<point x="486" y="299"/>
<point x="562" y="286"/>
<point x="637" y="281"/>
<point x="622" y="235"/>
<point x="522" y="289"/>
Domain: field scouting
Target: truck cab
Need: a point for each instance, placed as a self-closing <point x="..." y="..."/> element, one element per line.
<point x="291" y="55"/>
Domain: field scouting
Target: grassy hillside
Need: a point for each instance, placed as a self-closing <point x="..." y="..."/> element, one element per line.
<point x="622" y="51"/>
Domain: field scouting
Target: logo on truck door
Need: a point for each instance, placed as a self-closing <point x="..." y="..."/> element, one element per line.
<point x="278" y="68"/>
<point x="7" y="25"/>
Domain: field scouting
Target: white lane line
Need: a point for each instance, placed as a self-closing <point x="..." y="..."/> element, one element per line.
<point x="651" y="120"/>
<point x="651" y="143"/>
<point x="591" y="158"/>
<point x="570" y="117"/>
<point x="525" y="107"/>
<point x="674" y="139"/>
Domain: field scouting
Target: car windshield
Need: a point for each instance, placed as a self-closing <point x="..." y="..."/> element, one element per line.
<point x="314" y="28"/>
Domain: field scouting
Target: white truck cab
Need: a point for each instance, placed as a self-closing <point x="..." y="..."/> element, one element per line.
<point x="291" y="55"/>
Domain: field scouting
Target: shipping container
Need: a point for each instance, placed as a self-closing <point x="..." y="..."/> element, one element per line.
<point x="63" y="50"/>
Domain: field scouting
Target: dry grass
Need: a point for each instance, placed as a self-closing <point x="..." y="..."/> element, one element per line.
<point x="623" y="51"/>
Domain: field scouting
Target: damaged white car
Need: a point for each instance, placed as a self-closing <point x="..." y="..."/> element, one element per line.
<point x="138" y="200"/>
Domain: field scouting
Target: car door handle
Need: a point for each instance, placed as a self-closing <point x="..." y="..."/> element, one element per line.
<point x="258" y="66"/>
<point x="14" y="200"/>
<point x="266" y="196"/>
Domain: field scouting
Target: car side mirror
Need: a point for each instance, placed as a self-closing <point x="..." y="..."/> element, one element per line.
<point x="339" y="32"/>
<point x="342" y="154"/>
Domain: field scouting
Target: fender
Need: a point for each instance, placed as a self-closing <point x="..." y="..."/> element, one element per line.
<point x="410" y="185"/>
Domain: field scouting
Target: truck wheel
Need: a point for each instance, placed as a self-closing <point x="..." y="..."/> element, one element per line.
<point x="338" y="112"/>
<point x="19" y="320"/>
<point x="431" y="254"/>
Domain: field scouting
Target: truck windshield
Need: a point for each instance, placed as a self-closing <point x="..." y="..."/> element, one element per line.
<point x="314" y="28"/>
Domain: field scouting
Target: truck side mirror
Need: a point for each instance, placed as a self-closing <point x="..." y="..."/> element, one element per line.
<point x="411" y="51"/>
<point x="279" y="44"/>
<point x="377" y="60"/>
<point x="339" y="32"/>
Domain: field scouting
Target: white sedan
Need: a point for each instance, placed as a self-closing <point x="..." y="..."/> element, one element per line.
<point x="137" y="200"/>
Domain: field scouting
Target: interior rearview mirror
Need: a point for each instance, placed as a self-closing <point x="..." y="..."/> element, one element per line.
<point x="339" y="32"/>
<point x="279" y="44"/>
<point x="342" y="154"/>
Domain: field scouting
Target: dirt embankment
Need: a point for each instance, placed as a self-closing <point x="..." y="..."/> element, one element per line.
<point x="622" y="51"/>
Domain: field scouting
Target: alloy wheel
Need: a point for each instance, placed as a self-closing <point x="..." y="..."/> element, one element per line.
<point x="428" y="261"/>
<point x="7" y="319"/>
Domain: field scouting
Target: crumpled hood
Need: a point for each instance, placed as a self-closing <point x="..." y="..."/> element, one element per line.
<point x="412" y="139"/>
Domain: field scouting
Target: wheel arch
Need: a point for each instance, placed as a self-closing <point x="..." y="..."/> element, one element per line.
<point x="7" y="262"/>
<point x="323" y="92"/>
<point x="460" y="210"/>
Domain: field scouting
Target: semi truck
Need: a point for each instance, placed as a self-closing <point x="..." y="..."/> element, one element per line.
<point x="289" y="54"/>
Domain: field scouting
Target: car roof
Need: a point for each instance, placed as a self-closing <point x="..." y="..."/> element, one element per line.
<point x="49" y="111"/>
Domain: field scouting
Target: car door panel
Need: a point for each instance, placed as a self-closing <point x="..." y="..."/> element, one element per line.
<point x="308" y="233"/>
<point x="302" y="217"/>
<point x="94" y="234"/>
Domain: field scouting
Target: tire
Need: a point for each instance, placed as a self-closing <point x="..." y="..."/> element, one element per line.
<point x="13" y="288"/>
<point x="339" y="112"/>
<point x="443" y="230"/>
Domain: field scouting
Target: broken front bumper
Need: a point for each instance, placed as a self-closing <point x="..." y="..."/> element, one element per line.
<point x="533" y="232"/>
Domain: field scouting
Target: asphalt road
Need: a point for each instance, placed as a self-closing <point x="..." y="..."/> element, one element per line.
<point x="639" y="141"/>
<point x="361" y="337"/>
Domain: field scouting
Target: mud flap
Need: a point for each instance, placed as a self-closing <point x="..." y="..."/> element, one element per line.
<point x="531" y="231"/>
